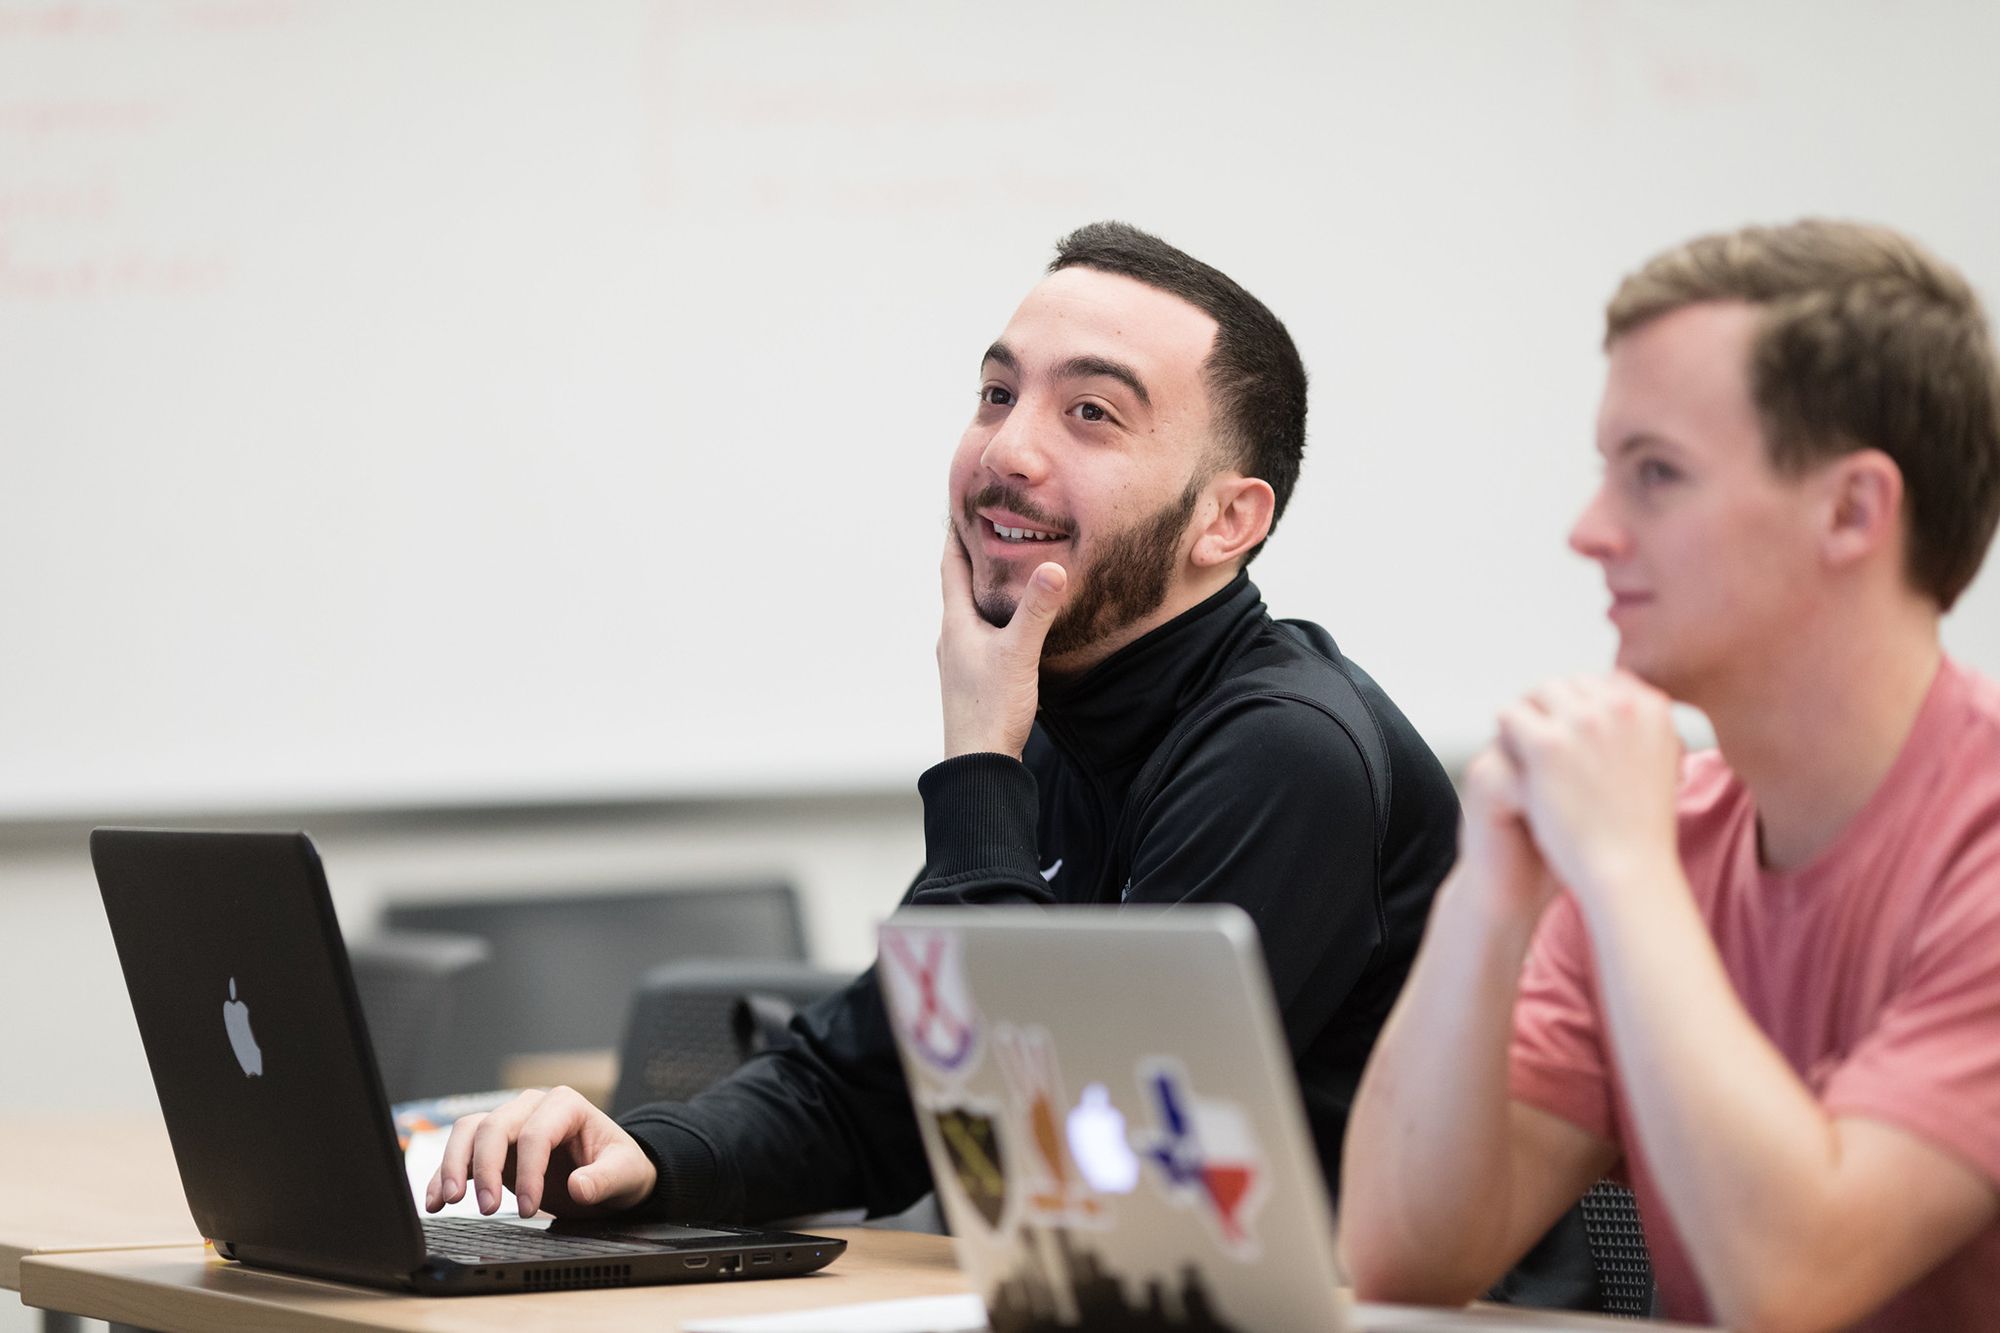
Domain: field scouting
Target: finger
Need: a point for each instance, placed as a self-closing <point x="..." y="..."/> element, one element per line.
<point x="1497" y="780"/>
<point x="492" y="1143"/>
<point x="1524" y="730"/>
<point x="955" y="572"/>
<point x="456" y="1162"/>
<point x="618" y="1174"/>
<point x="601" y="1177"/>
<point x="554" y="1121"/>
<point x="1040" y="601"/>
<point x="1563" y="696"/>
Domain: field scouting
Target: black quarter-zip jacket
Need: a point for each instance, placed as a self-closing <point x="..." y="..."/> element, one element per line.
<point x="1225" y="757"/>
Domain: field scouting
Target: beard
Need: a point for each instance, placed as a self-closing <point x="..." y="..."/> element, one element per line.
<point x="1126" y="580"/>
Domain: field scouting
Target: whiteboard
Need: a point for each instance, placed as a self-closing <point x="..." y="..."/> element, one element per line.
<point x="476" y="401"/>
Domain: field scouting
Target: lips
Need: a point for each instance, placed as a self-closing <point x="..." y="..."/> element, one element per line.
<point x="1012" y="529"/>
<point x="1628" y="601"/>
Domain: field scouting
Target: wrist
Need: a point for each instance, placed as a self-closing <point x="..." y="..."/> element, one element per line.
<point x="957" y="747"/>
<point x="1503" y="910"/>
<point x="1633" y="889"/>
<point x="1613" y="874"/>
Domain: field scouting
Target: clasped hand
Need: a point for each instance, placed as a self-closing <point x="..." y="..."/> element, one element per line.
<point x="1577" y="788"/>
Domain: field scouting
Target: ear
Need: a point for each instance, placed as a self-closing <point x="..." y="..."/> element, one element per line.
<point x="1864" y="507"/>
<point x="1240" y="510"/>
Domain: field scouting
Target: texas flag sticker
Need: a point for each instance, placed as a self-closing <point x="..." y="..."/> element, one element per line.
<point x="1204" y="1153"/>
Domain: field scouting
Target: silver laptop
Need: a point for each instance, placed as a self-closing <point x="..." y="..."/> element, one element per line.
<point x="1111" y="1117"/>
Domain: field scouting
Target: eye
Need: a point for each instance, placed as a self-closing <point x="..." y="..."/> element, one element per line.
<point x="1088" y="411"/>
<point x="1654" y="473"/>
<point x="996" y="395"/>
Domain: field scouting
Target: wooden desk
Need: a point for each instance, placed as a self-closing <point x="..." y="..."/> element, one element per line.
<point x="188" y="1288"/>
<point x="88" y="1182"/>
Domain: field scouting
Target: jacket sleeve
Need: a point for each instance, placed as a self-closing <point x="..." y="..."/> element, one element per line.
<point x="1267" y="805"/>
<point x="823" y="1120"/>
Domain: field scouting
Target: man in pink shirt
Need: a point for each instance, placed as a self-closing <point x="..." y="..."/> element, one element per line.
<point x="1761" y="983"/>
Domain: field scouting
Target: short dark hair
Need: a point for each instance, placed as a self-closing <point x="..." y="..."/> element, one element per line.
<point x="1256" y="382"/>
<point x="1866" y="341"/>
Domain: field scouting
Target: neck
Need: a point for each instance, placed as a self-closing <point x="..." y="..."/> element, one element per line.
<point x="1813" y="733"/>
<point x="1187" y="594"/>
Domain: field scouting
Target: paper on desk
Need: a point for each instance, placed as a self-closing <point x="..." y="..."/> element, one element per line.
<point x="919" y="1314"/>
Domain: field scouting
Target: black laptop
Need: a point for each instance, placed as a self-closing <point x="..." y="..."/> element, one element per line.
<point x="239" y="979"/>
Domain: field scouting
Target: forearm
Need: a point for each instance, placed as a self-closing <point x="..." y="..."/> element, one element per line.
<point x="1748" y="1162"/>
<point x="822" y="1122"/>
<point x="1430" y="1129"/>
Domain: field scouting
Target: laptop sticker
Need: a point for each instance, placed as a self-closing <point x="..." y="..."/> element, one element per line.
<point x="970" y="1133"/>
<point x="1204" y="1154"/>
<point x="930" y="998"/>
<point x="1027" y="1059"/>
<point x="1062" y="1283"/>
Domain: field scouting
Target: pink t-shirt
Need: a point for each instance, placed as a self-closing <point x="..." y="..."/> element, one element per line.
<point x="1875" y="970"/>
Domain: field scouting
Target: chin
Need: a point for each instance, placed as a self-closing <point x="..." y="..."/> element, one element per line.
<point x="1670" y="678"/>
<point x="996" y="605"/>
<point x="1645" y="666"/>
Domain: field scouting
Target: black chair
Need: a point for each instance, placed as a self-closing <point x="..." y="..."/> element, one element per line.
<point x="410" y="985"/>
<point x="1618" y="1250"/>
<point x="565" y="965"/>
<point x="694" y="1022"/>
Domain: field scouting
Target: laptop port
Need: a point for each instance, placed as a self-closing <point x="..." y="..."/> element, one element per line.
<point x="695" y="1261"/>
<point x="730" y="1263"/>
<point x="756" y="1259"/>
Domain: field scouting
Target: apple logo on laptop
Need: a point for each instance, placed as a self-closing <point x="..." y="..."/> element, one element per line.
<point x="1097" y="1142"/>
<point x="236" y="1018"/>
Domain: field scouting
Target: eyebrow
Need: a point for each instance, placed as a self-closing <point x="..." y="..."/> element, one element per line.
<point x="1077" y="367"/>
<point x="1639" y="440"/>
<point x="1092" y="367"/>
<point x="1001" y="354"/>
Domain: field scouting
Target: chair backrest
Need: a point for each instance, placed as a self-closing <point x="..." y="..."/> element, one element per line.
<point x="694" y="1022"/>
<point x="1618" y="1250"/>
<point x="410" y="984"/>
<point x="565" y="965"/>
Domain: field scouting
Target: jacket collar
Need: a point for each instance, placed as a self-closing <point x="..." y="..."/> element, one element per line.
<point x="1117" y="712"/>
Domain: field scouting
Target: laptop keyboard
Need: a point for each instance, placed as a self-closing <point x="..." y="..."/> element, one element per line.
<point x="502" y="1241"/>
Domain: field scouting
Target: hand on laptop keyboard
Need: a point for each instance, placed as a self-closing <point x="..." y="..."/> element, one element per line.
<point x="553" y="1149"/>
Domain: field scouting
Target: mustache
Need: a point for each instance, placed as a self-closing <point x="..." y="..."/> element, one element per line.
<point x="995" y="496"/>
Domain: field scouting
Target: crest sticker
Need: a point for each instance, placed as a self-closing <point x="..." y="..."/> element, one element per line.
<point x="971" y="1138"/>
<point x="930" y="999"/>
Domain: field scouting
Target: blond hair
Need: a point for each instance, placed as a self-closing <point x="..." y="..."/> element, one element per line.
<point x="1867" y="340"/>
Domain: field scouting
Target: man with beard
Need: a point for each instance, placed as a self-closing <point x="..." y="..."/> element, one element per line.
<point x="1123" y="722"/>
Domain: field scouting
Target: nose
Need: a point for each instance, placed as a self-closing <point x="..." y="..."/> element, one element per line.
<point x="1014" y="451"/>
<point x="1597" y="534"/>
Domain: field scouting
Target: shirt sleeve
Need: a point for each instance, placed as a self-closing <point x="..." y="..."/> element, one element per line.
<point x="823" y="1120"/>
<point x="981" y="829"/>
<point x="1557" y="1061"/>
<point x="820" y="1121"/>
<point x="1931" y="1064"/>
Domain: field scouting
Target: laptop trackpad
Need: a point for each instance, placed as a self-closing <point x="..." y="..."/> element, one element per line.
<point x="612" y="1228"/>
